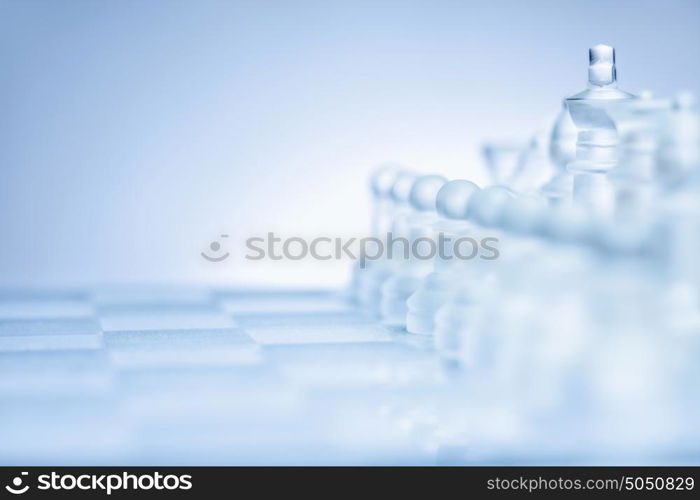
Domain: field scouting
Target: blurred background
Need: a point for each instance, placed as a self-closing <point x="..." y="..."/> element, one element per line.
<point x="134" y="133"/>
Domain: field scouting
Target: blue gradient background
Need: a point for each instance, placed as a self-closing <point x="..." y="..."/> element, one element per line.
<point x="133" y="133"/>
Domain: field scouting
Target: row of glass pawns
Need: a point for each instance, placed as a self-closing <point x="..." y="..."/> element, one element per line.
<point x="603" y="313"/>
<point x="533" y="227"/>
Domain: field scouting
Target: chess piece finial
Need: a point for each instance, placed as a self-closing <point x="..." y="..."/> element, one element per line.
<point x="601" y="66"/>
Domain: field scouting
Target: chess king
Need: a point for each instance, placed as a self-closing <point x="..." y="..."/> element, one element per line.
<point x="599" y="113"/>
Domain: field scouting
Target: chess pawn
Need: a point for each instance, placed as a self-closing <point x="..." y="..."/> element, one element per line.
<point x="634" y="177"/>
<point x="522" y="218"/>
<point x="558" y="292"/>
<point x="376" y="272"/>
<point x="515" y="313"/>
<point x="486" y="328"/>
<point x="598" y="113"/>
<point x="381" y="181"/>
<point x="455" y="322"/>
<point x="562" y="151"/>
<point x="452" y="203"/>
<point x="401" y="197"/>
<point x="679" y="151"/>
<point x="627" y="370"/>
<point x="625" y="254"/>
<point x="418" y="250"/>
<point x="528" y="351"/>
<point x="678" y="232"/>
<point x="381" y="184"/>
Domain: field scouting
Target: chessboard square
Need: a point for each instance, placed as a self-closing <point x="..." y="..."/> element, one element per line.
<point x="140" y="357"/>
<point x="172" y="320"/>
<point x="274" y="293"/>
<point x="261" y="304"/>
<point x="228" y="346"/>
<point x="44" y="308"/>
<point x="47" y="294"/>
<point x="330" y="319"/>
<point x="150" y="295"/>
<point x="49" y="342"/>
<point x="181" y="339"/>
<point x="343" y="365"/>
<point x="319" y="334"/>
<point x="155" y="308"/>
<point x="67" y="360"/>
<point x="49" y="327"/>
<point x="48" y="371"/>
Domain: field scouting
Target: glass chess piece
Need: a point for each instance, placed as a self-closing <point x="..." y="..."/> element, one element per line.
<point x="679" y="151"/>
<point x="371" y="279"/>
<point x="562" y="151"/>
<point x="628" y="367"/>
<point x="598" y="113"/>
<point x="381" y="182"/>
<point x="501" y="160"/>
<point x="677" y="232"/>
<point x="416" y="264"/>
<point x="534" y="168"/>
<point x="455" y="320"/>
<point x="434" y="290"/>
<point x="634" y="178"/>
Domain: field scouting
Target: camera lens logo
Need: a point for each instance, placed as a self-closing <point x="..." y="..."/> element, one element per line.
<point x="215" y="246"/>
<point x="16" y="488"/>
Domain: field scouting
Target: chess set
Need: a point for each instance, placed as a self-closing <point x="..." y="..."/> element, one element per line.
<point x="560" y="325"/>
